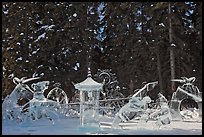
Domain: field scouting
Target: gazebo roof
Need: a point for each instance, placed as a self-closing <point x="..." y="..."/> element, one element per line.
<point x="89" y="84"/>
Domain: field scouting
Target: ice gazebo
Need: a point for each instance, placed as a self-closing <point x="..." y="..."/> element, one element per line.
<point x="89" y="100"/>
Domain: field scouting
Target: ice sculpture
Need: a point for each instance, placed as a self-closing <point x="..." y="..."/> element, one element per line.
<point x="139" y="108"/>
<point x="89" y="100"/>
<point x="10" y="108"/>
<point x="143" y="91"/>
<point x="189" y="114"/>
<point x="136" y="106"/>
<point x="186" y="98"/>
<point x="36" y="108"/>
<point x="110" y="99"/>
<point x="162" y="113"/>
<point x="57" y="94"/>
<point x="53" y="107"/>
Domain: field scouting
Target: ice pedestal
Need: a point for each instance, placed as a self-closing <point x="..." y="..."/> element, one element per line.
<point x="89" y="107"/>
<point x="90" y="117"/>
<point x="89" y="122"/>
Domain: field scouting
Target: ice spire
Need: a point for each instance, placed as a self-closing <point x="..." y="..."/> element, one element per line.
<point x="89" y="72"/>
<point x="89" y="63"/>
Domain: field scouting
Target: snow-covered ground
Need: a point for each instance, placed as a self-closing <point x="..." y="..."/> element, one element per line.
<point x="71" y="126"/>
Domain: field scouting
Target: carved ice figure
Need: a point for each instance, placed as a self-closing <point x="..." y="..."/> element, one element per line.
<point x="162" y="113"/>
<point x="187" y="96"/>
<point x="36" y="108"/>
<point x="136" y="105"/>
<point x="144" y="90"/>
<point x="60" y="97"/>
<point x="190" y="113"/>
<point x="39" y="100"/>
<point x="39" y="106"/>
<point x="10" y="108"/>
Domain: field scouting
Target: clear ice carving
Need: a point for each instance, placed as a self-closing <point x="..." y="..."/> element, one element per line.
<point x="186" y="91"/>
<point x="89" y="100"/>
<point x="58" y="95"/>
<point x="191" y="113"/>
<point x="38" y="107"/>
<point x="10" y="108"/>
<point x="137" y="106"/>
<point x="143" y="91"/>
<point x="110" y="99"/>
<point x="162" y="114"/>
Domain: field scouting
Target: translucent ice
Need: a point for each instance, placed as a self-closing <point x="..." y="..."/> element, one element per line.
<point x="135" y="105"/>
<point x="162" y="113"/>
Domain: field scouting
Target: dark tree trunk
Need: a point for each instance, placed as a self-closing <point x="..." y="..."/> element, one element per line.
<point x="172" y="58"/>
<point x="159" y="70"/>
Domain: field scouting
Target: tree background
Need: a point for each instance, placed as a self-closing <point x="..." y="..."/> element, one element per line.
<point x="52" y="40"/>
